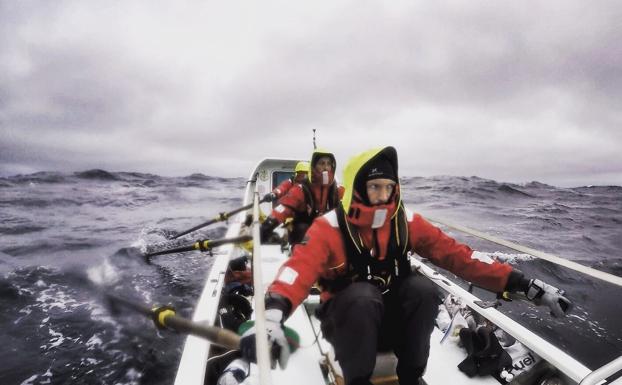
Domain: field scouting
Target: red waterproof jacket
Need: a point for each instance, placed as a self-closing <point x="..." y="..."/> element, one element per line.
<point x="325" y="197"/>
<point x="283" y="188"/>
<point x="287" y="184"/>
<point x="323" y="256"/>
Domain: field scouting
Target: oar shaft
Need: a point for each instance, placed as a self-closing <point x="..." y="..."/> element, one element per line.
<point x="203" y="245"/>
<point x="219" y="218"/>
<point x="223" y="241"/>
<point x="171" y="251"/>
<point x="223" y="337"/>
<point x="136" y="306"/>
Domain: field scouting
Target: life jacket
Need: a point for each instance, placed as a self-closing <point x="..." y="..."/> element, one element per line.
<point x="314" y="210"/>
<point x="362" y="266"/>
<point x="302" y="220"/>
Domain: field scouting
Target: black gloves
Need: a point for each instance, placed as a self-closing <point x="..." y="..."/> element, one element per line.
<point x="269" y="197"/>
<point x="266" y="228"/>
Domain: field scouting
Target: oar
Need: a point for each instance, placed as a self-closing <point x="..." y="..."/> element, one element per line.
<point x="221" y="217"/>
<point x="164" y="317"/>
<point x="204" y="245"/>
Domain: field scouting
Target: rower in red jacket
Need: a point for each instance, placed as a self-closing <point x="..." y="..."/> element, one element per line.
<point x="301" y="172"/>
<point x="307" y="200"/>
<point x="359" y="253"/>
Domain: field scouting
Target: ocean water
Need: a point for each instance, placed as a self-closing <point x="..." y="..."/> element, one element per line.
<point x="67" y="238"/>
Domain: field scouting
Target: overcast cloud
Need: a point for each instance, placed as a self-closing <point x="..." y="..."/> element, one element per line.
<point x="515" y="91"/>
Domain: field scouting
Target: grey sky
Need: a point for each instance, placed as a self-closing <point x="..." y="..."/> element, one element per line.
<point x="515" y="92"/>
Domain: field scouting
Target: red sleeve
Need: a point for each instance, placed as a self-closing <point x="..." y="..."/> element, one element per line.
<point x="293" y="201"/>
<point x="442" y="250"/>
<point x="305" y="266"/>
<point x="283" y="188"/>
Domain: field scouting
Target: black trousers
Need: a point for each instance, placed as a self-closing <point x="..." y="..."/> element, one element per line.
<point x="360" y="321"/>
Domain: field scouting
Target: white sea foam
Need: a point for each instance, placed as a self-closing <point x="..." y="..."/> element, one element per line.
<point x="56" y="340"/>
<point x="512" y="259"/>
<point x="103" y="274"/>
<point x="92" y="361"/>
<point x="48" y="374"/>
<point x="93" y="342"/>
<point x="98" y="313"/>
<point x="141" y="243"/>
<point x="133" y="376"/>
<point x="55" y="297"/>
<point x="29" y="380"/>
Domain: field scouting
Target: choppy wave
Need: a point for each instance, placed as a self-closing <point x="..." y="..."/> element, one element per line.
<point x="96" y="174"/>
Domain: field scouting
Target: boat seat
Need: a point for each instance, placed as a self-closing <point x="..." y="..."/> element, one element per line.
<point x="384" y="372"/>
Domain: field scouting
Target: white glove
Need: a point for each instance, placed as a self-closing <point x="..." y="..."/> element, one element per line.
<point x="279" y="347"/>
<point x="544" y="294"/>
<point x="235" y="373"/>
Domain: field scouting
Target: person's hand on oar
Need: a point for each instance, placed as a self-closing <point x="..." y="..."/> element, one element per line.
<point x="283" y="341"/>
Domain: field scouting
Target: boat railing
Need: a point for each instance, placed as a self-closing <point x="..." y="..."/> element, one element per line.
<point x="605" y="371"/>
<point x="567" y="364"/>
<point x="614" y="279"/>
<point x="557" y="357"/>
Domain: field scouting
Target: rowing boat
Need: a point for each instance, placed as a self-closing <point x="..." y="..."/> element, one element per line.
<point x="313" y="363"/>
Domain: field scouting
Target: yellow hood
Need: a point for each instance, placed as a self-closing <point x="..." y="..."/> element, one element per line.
<point x="356" y="163"/>
<point x="317" y="154"/>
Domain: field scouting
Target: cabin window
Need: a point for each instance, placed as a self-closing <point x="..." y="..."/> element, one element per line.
<point x="277" y="178"/>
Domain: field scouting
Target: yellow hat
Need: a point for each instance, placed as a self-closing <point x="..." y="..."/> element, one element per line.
<point x="302" y="166"/>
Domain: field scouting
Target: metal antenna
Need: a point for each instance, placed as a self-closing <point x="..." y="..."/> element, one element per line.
<point x="314" y="146"/>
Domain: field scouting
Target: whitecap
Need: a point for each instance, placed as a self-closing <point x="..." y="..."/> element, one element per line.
<point x="133" y="376"/>
<point x="103" y="274"/>
<point x="27" y="310"/>
<point x="29" y="380"/>
<point x="54" y="297"/>
<point x="98" y="313"/>
<point x="512" y="259"/>
<point x="94" y="342"/>
<point x="140" y="244"/>
<point x="56" y="340"/>
<point x="48" y="374"/>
